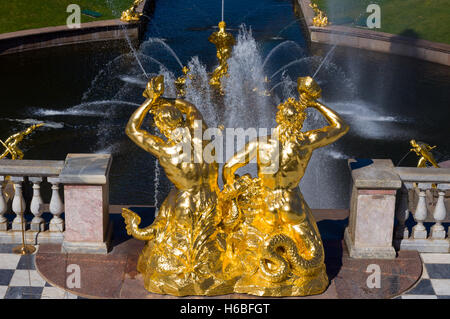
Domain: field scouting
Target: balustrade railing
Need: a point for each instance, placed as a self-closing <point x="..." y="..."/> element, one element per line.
<point x="17" y="176"/>
<point x="426" y="195"/>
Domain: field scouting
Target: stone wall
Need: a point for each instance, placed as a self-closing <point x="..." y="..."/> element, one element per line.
<point x="374" y="40"/>
<point x="106" y="30"/>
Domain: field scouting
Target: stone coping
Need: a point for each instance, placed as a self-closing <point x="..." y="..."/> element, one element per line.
<point x="32" y="39"/>
<point x="30" y="167"/>
<point x="424" y="175"/>
<point x="374" y="40"/>
<point x="374" y="174"/>
<point x="86" y="169"/>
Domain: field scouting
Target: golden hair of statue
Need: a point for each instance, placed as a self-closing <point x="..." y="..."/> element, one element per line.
<point x="320" y="19"/>
<point x="224" y="42"/>
<point x="11" y="144"/>
<point x="180" y="82"/>
<point x="423" y="151"/>
<point x="130" y="14"/>
<point x="257" y="235"/>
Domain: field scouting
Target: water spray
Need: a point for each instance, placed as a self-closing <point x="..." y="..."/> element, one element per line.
<point x="323" y="61"/>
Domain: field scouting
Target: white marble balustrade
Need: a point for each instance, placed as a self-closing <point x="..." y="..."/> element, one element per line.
<point x="17" y="177"/>
<point x="425" y="195"/>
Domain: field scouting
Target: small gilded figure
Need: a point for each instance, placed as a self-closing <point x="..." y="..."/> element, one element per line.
<point x="180" y="82"/>
<point x="11" y="144"/>
<point x="224" y="42"/>
<point x="423" y="151"/>
<point x="130" y="14"/>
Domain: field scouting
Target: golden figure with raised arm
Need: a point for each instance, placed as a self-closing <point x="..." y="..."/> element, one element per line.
<point x="11" y="144"/>
<point x="182" y="253"/>
<point x="423" y="151"/>
<point x="224" y="42"/>
<point x="290" y="260"/>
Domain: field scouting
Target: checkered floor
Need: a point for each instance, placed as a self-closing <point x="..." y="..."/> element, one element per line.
<point x="435" y="280"/>
<point x="20" y="280"/>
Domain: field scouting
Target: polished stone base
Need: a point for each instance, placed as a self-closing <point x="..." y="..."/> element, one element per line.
<point x="115" y="275"/>
<point x="89" y="247"/>
<point x="368" y="252"/>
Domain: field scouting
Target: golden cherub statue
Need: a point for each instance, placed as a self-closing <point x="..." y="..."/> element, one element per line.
<point x="11" y="144"/>
<point x="224" y="42"/>
<point x="258" y="235"/>
<point x="130" y="14"/>
<point x="180" y="82"/>
<point x="320" y="19"/>
<point x="423" y="151"/>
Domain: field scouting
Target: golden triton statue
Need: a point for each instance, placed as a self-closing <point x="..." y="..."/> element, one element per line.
<point x="258" y="235"/>
<point x="130" y="14"/>
<point x="423" y="151"/>
<point x="11" y="144"/>
<point x="224" y="42"/>
<point x="183" y="251"/>
<point x="277" y="246"/>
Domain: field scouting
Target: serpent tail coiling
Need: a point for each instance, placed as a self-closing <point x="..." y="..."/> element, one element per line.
<point x="282" y="251"/>
<point x="132" y="222"/>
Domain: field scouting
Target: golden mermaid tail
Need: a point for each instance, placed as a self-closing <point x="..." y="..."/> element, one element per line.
<point x="281" y="251"/>
<point x="132" y="222"/>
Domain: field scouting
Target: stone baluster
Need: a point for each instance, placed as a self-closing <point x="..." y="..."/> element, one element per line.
<point x="3" y="207"/>
<point x="37" y="205"/>
<point x="56" y="206"/>
<point x="419" y="231"/>
<point x="18" y="203"/>
<point x="438" y="231"/>
<point x="402" y="214"/>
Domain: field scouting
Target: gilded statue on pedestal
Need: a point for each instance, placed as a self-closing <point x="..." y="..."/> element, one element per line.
<point x="224" y="42"/>
<point x="130" y="14"/>
<point x="257" y="235"/>
<point x="320" y="19"/>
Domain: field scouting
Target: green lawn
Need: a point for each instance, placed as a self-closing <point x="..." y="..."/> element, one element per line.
<point x="424" y="19"/>
<point x="29" y="14"/>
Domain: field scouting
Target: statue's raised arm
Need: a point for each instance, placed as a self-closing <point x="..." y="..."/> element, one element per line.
<point x="148" y="142"/>
<point x="309" y="92"/>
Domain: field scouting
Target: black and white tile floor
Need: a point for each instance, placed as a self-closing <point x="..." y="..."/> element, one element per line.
<point x="20" y="280"/>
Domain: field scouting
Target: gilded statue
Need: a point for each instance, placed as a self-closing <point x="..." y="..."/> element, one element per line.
<point x="257" y="235"/>
<point x="11" y="144"/>
<point x="180" y="82"/>
<point x="130" y="14"/>
<point x="224" y="42"/>
<point x="320" y="19"/>
<point x="423" y="151"/>
<point x="278" y="232"/>
<point x="183" y="250"/>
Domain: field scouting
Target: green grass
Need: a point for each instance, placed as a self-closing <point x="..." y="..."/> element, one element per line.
<point x="423" y="19"/>
<point x="29" y="14"/>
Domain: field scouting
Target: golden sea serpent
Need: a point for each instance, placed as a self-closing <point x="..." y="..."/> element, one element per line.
<point x="275" y="249"/>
